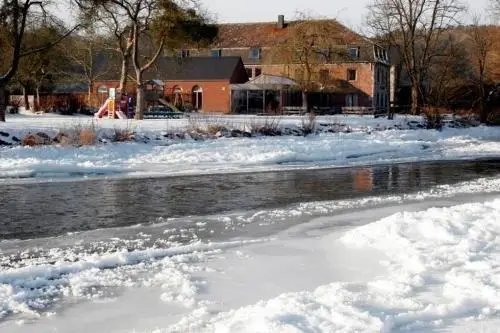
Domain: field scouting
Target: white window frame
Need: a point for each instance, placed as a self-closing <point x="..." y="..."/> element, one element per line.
<point x="353" y="52"/>
<point x="216" y="53"/>
<point x="254" y="53"/>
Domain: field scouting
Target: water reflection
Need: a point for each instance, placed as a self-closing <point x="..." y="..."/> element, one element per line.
<point x="39" y="210"/>
<point x="363" y="180"/>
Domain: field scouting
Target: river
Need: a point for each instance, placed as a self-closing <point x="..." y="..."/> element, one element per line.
<point x="46" y="209"/>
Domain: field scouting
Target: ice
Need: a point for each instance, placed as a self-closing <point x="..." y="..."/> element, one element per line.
<point x="33" y="288"/>
<point x="380" y="264"/>
<point x="442" y="272"/>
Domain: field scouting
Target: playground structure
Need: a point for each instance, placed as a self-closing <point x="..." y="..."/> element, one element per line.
<point x="122" y="108"/>
<point x="113" y="109"/>
<point x="110" y="110"/>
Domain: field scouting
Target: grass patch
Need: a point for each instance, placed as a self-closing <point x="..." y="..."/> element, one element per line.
<point x="126" y="134"/>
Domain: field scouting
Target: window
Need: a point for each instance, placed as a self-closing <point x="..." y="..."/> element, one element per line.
<point x="324" y="53"/>
<point x="381" y="54"/>
<point x="351" y="100"/>
<point x="353" y="52"/>
<point x="254" y="54"/>
<point x="351" y="75"/>
<point x="216" y="53"/>
<point x="102" y="90"/>
<point x="184" y="53"/>
<point x="258" y="71"/>
<point x="197" y="98"/>
<point x="324" y="76"/>
<point x="249" y="72"/>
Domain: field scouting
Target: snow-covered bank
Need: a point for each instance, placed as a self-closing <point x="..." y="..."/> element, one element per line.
<point x="442" y="270"/>
<point x="173" y="157"/>
<point x="29" y="122"/>
<point x="344" y="140"/>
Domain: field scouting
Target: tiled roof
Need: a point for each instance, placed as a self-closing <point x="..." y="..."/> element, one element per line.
<point x="195" y="68"/>
<point x="267" y="34"/>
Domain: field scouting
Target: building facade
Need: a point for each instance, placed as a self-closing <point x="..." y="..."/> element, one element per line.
<point x="194" y="83"/>
<point x="355" y="73"/>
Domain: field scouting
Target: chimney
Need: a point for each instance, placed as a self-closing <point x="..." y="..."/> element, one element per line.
<point x="281" y="21"/>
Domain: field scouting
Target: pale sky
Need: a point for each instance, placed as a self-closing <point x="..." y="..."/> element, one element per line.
<point x="350" y="12"/>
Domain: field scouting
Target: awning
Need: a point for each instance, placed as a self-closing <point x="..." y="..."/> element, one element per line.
<point x="274" y="80"/>
<point x="267" y="82"/>
<point x="246" y="86"/>
<point x="156" y="83"/>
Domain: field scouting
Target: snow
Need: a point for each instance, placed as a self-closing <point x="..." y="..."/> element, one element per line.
<point x="417" y="262"/>
<point x="33" y="288"/>
<point x="368" y="143"/>
<point x="442" y="270"/>
<point x="380" y="264"/>
<point x="28" y="121"/>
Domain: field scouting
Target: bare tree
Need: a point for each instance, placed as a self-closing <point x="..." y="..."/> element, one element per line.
<point x="15" y="17"/>
<point x="117" y="26"/>
<point x="89" y="60"/>
<point x="36" y="68"/>
<point x="449" y="71"/>
<point x="495" y="7"/>
<point x="147" y="25"/>
<point x="164" y="22"/>
<point x="479" y="54"/>
<point x="416" y="26"/>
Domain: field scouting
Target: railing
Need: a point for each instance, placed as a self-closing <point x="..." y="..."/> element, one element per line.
<point x="331" y="110"/>
<point x="294" y="110"/>
<point x="364" y="110"/>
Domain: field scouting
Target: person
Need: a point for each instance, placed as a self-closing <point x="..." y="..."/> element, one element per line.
<point x="124" y="104"/>
<point x="130" y="110"/>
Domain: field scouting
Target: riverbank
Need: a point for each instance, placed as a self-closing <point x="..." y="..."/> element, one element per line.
<point x="31" y="129"/>
<point x="184" y="157"/>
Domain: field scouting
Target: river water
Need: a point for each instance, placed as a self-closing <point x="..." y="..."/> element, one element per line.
<point x="38" y="210"/>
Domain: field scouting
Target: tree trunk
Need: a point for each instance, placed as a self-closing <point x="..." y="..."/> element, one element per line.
<point x="305" y="106"/>
<point x="483" y="112"/>
<point x="123" y="76"/>
<point x="3" y="101"/>
<point x="37" y="103"/>
<point x="415" y="100"/>
<point x="140" y="99"/>
<point x="89" y="94"/>
<point x="26" y="100"/>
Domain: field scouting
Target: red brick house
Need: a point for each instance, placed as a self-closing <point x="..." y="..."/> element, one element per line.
<point x="356" y="75"/>
<point x="195" y="83"/>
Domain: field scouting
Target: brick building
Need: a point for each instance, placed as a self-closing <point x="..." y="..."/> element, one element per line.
<point x="355" y="73"/>
<point x="195" y="83"/>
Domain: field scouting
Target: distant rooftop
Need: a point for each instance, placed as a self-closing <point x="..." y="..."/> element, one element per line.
<point x="195" y="68"/>
<point x="267" y="34"/>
